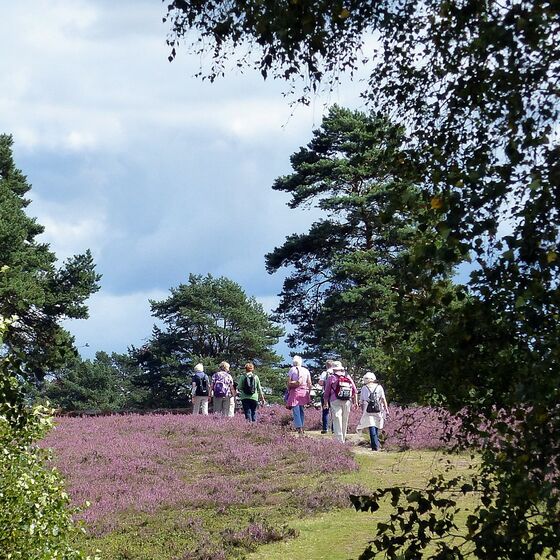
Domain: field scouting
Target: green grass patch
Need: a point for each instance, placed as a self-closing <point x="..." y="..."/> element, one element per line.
<point x="345" y="533"/>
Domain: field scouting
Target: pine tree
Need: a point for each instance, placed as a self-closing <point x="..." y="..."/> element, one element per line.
<point x="206" y="320"/>
<point x="32" y="286"/>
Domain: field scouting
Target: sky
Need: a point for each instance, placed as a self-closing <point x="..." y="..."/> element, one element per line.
<point x="159" y="174"/>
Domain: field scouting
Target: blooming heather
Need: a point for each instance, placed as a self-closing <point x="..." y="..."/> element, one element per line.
<point x="415" y="427"/>
<point x="141" y="463"/>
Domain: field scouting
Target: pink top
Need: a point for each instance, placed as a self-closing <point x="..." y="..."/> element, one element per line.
<point x="330" y="384"/>
<point x="299" y="395"/>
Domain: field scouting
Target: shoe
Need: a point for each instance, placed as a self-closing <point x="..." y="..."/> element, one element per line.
<point x="323" y="431"/>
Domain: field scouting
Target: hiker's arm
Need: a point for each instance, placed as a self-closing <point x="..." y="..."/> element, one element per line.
<point x="383" y="401"/>
<point x="363" y="400"/>
<point x="327" y="394"/>
<point x="354" y="394"/>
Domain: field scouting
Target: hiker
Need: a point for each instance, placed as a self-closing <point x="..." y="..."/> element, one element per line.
<point x="250" y="392"/>
<point x="223" y="391"/>
<point x="340" y="394"/>
<point x="374" y="408"/>
<point x="200" y="390"/>
<point x="325" y="411"/>
<point x="299" y="386"/>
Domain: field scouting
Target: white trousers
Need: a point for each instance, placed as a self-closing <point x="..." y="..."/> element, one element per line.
<point x="200" y="405"/>
<point x="224" y="405"/>
<point x="340" y="413"/>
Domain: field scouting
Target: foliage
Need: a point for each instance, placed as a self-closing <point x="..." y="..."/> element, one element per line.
<point x="314" y="40"/>
<point x="104" y="383"/>
<point x="35" y="519"/>
<point x="32" y="286"/>
<point x="508" y="505"/>
<point x="481" y="79"/>
<point x="207" y="320"/>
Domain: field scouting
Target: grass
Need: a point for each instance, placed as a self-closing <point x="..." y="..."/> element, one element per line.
<point x="345" y="533"/>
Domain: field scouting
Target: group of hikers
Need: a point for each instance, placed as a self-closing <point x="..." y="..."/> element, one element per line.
<point x="339" y="394"/>
<point x="223" y="390"/>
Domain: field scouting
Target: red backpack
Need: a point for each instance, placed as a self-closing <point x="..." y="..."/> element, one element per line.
<point x="343" y="388"/>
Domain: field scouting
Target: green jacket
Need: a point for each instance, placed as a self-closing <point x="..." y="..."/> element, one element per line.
<point x="241" y="388"/>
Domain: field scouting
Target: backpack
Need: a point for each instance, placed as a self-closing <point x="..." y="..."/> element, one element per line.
<point x="249" y="384"/>
<point x="220" y="388"/>
<point x="201" y="382"/>
<point x="373" y="405"/>
<point x="343" y="388"/>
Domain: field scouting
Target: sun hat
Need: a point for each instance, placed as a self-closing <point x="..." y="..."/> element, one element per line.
<point x="337" y="366"/>
<point x="199" y="368"/>
<point x="369" y="377"/>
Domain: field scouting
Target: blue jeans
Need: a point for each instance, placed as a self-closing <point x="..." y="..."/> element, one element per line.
<point x="374" y="437"/>
<point x="324" y="416"/>
<point x="298" y="413"/>
<point x="250" y="409"/>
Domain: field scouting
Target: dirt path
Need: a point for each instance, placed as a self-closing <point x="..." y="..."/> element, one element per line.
<point x="359" y="444"/>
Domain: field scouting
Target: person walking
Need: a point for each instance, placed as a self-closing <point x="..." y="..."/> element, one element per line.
<point x="250" y="392"/>
<point x="223" y="391"/>
<point x="299" y="386"/>
<point x="374" y="409"/>
<point x="340" y="394"/>
<point x="200" y="390"/>
<point x="325" y="411"/>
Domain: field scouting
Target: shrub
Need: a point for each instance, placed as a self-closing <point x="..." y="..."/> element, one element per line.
<point x="35" y="522"/>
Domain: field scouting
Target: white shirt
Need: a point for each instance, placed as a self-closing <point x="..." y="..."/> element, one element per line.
<point x="323" y="377"/>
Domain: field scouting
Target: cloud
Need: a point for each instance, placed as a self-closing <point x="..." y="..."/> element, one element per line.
<point x="269" y="303"/>
<point x="115" y="322"/>
<point x="159" y="174"/>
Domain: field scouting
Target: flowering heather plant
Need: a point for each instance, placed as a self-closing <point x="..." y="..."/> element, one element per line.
<point x="415" y="427"/>
<point x="142" y="463"/>
<point x="257" y="532"/>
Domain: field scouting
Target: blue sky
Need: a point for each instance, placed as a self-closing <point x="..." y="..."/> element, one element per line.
<point x="156" y="172"/>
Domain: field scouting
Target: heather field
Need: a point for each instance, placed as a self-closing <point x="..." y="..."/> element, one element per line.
<point x="195" y="488"/>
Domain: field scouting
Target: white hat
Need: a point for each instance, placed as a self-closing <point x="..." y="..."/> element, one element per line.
<point x="337" y="366"/>
<point x="369" y="377"/>
<point x="199" y="367"/>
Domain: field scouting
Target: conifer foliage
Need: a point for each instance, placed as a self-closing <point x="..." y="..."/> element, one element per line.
<point x="33" y="287"/>
<point x="206" y="320"/>
<point x="354" y="284"/>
